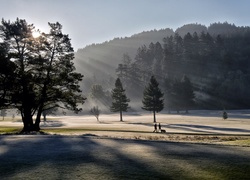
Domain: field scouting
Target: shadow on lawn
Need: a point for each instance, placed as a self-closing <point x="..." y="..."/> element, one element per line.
<point x="51" y="124"/>
<point x="232" y="114"/>
<point x="68" y="158"/>
<point x="64" y="157"/>
<point x="204" y="129"/>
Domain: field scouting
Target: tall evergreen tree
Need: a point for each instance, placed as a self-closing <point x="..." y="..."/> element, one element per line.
<point x="187" y="93"/>
<point x="176" y="94"/>
<point x="158" y="60"/>
<point x="152" y="97"/>
<point x="120" y="100"/>
<point x="168" y="94"/>
<point x="144" y="62"/>
<point x="178" y="44"/>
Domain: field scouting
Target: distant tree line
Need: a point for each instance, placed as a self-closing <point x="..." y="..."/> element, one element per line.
<point x="218" y="64"/>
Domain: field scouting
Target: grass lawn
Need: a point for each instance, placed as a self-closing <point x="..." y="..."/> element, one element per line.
<point x="194" y="147"/>
<point x="84" y="157"/>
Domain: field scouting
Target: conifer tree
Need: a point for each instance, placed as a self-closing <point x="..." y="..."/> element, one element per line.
<point x="187" y="93"/>
<point x="120" y="100"/>
<point x="152" y="97"/>
<point x="42" y="71"/>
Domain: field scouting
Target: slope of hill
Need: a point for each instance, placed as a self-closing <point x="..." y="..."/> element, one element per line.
<point x="102" y="59"/>
<point x="208" y="58"/>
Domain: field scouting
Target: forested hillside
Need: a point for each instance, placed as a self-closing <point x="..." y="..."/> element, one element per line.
<point x="197" y="66"/>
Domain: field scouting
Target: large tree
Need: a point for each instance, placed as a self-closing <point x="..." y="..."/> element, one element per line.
<point x="120" y="100"/>
<point x="7" y="68"/>
<point x="153" y="97"/>
<point x="45" y="75"/>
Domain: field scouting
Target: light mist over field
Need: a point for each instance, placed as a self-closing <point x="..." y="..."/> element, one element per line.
<point x="115" y="89"/>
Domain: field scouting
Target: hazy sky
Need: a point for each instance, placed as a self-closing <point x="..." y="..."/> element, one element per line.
<point x="95" y="21"/>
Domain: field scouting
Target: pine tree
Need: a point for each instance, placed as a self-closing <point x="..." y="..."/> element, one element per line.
<point x="152" y="97"/>
<point x="44" y="75"/>
<point x="187" y="93"/>
<point x="120" y="100"/>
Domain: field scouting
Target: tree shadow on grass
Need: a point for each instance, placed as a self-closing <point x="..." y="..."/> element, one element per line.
<point x="205" y="129"/>
<point x="232" y="114"/>
<point x="65" y="157"/>
<point x="51" y="124"/>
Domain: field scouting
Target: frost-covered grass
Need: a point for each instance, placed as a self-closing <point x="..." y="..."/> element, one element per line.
<point x="75" y="157"/>
<point x="195" y="146"/>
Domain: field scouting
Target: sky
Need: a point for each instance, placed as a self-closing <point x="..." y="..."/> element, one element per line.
<point x="97" y="21"/>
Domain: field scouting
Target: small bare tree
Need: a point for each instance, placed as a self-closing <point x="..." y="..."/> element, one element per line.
<point x="96" y="112"/>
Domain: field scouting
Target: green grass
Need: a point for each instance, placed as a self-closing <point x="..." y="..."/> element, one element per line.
<point x="64" y="130"/>
<point x="240" y="142"/>
<point x="9" y="130"/>
<point x="83" y="130"/>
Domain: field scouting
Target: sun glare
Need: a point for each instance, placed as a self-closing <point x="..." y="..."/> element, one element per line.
<point x="36" y="34"/>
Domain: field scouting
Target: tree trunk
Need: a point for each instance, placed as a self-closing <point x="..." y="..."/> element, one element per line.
<point x="38" y="119"/>
<point x="44" y="117"/>
<point x="121" y="116"/>
<point x="28" y="124"/>
<point x="37" y="124"/>
<point x="154" y="117"/>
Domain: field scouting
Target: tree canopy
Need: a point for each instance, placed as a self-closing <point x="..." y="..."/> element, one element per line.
<point x="42" y="68"/>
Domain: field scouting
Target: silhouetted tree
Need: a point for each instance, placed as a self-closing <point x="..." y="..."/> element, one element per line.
<point x="44" y="74"/>
<point x="60" y="83"/>
<point x="120" y="100"/>
<point x="152" y="97"/>
<point x="3" y="113"/>
<point x="7" y="76"/>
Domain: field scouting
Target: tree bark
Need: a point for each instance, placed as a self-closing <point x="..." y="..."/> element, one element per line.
<point x="121" y="116"/>
<point x="38" y="119"/>
<point x="28" y="124"/>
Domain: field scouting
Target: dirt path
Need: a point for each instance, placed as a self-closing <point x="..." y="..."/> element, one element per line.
<point x="75" y="157"/>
